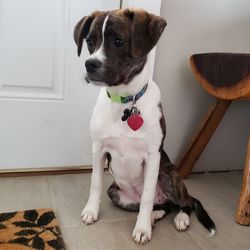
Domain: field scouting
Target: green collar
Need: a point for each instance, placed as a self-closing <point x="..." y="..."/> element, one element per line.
<point x="129" y="98"/>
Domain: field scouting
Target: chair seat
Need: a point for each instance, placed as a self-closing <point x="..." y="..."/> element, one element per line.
<point x="223" y="75"/>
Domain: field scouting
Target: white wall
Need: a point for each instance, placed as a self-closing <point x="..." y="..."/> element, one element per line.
<point x="196" y="26"/>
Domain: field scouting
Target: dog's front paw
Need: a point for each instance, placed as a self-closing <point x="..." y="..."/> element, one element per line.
<point x="142" y="233"/>
<point x="89" y="216"/>
<point x="181" y="221"/>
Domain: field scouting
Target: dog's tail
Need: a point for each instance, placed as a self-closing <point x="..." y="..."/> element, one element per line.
<point x="203" y="216"/>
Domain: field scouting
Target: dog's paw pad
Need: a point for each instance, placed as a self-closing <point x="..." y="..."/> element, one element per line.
<point x="181" y="221"/>
<point x="88" y="217"/>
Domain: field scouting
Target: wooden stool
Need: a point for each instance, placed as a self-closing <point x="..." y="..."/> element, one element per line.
<point x="226" y="76"/>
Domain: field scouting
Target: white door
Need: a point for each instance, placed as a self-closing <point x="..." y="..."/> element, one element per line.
<point x="45" y="108"/>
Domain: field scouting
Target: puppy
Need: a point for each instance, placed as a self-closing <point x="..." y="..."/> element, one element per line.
<point x="128" y="126"/>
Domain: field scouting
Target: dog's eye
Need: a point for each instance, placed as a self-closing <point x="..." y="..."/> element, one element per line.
<point x="118" y="42"/>
<point x="90" y="43"/>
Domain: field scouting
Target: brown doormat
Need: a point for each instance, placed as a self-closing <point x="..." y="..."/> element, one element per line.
<point x="35" y="229"/>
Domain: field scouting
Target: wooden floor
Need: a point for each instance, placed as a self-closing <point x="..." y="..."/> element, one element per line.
<point x="67" y="194"/>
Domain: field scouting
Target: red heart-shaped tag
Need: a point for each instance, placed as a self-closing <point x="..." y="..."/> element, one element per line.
<point x="135" y="122"/>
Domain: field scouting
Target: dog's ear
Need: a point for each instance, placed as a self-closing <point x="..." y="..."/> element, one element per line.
<point x="81" y="30"/>
<point x="146" y="30"/>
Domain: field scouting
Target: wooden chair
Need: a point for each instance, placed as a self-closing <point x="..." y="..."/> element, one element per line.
<point x="226" y="76"/>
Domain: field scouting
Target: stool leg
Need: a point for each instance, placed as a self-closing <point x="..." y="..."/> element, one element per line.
<point x="243" y="212"/>
<point x="202" y="136"/>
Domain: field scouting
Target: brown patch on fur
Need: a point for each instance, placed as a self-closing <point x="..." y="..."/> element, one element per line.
<point x="145" y="28"/>
<point x="146" y="31"/>
<point x="171" y="183"/>
<point x="163" y="127"/>
<point x="82" y="29"/>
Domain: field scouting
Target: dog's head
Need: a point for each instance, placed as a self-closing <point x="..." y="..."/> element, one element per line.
<point x="118" y="42"/>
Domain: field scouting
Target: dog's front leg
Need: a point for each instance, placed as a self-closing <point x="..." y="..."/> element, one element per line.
<point x="143" y="228"/>
<point x="91" y="210"/>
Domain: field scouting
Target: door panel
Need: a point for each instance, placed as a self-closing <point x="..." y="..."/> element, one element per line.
<point x="32" y="48"/>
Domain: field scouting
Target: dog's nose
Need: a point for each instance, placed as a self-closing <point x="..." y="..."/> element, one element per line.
<point x="92" y="65"/>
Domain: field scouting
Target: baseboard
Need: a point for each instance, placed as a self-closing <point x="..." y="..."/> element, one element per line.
<point x="45" y="171"/>
<point x="70" y="170"/>
<point x="217" y="172"/>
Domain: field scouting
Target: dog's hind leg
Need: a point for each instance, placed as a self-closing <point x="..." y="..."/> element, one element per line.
<point x="157" y="215"/>
<point x="176" y="191"/>
<point x="173" y="187"/>
<point x="122" y="199"/>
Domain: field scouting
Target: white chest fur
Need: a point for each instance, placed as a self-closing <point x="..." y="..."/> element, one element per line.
<point x="128" y="148"/>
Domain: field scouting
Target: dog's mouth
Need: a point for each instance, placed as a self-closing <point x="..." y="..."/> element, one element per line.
<point x="94" y="82"/>
<point x="86" y="78"/>
<point x="104" y="79"/>
<point x="90" y="78"/>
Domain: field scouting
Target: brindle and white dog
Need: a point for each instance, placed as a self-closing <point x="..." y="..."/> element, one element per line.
<point x="144" y="178"/>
